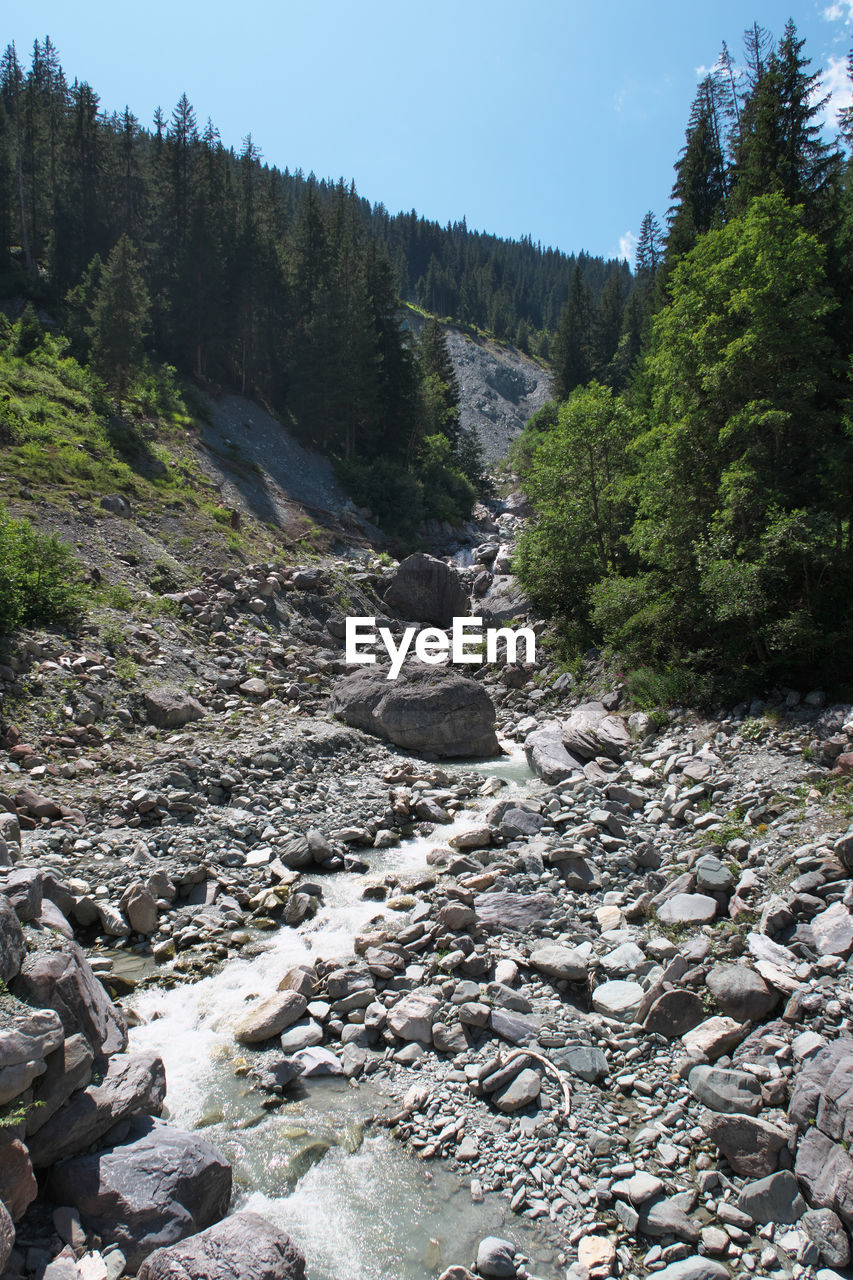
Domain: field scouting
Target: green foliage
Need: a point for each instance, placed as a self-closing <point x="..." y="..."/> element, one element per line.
<point x="30" y="333"/>
<point x="573" y="473"/>
<point x="672" y="685"/>
<point x="37" y="577"/>
<point x="120" y="312"/>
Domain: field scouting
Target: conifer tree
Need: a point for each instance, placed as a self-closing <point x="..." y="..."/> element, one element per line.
<point x="119" y="318"/>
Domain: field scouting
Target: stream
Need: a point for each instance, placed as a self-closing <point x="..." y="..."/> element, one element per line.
<point x="358" y="1204"/>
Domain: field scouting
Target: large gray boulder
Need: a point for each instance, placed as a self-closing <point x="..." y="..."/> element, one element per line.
<point x="133" y="1083"/>
<point x="741" y="992"/>
<point x="593" y="731"/>
<point x="57" y="976"/>
<point x="244" y="1245"/>
<point x="156" y="1187"/>
<point x="270" y="1017"/>
<point x="547" y="756"/>
<point x="424" y="589"/>
<point x="426" y="709"/>
<point x="752" y="1146"/>
<point x="171" y="709"/>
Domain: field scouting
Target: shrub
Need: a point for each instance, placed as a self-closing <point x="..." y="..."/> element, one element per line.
<point x="37" y="577"/>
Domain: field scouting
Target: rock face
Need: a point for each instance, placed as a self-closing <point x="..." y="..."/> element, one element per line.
<point x="425" y="589"/>
<point x="424" y="709"/>
<point x="244" y="1245"/>
<point x="159" y="1187"/>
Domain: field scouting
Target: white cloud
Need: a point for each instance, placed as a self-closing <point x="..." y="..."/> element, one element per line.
<point x="836" y="83"/>
<point x="839" y="11"/>
<point x="702" y="71"/>
<point x="628" y="247"/>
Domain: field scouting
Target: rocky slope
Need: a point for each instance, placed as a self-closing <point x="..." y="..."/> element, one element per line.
<point x="500" y="388"/>
<point x="619" y="998"/>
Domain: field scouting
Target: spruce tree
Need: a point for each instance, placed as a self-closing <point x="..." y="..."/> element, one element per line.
<point x="119" y="318"/>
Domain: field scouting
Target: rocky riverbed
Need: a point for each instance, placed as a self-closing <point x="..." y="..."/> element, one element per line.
<point x="270" y="980"/>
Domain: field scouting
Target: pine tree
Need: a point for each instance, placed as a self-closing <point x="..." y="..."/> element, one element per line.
<point x="700" y="183"/>
<point x="780" y="147"/>
<point x="572" y="350"/>
<point x="119" y="318"/>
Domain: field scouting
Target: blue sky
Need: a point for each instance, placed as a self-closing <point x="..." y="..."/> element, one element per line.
<point x="555" y="118"/>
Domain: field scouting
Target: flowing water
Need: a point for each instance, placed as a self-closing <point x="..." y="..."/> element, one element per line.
<point x="356" y="1202"/>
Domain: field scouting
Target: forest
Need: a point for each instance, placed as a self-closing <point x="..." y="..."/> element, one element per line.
<point x="697" y="520"/>
<point x="162" y="245"/>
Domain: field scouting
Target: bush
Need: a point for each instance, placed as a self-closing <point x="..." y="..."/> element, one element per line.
<point x="37" y="577"/>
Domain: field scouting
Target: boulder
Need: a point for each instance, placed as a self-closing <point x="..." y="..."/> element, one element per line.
<point x="133" y="1083"/>
<point x="773" y="1199"/>
<point x="832" y="931"/>
<point x="726" y="1090"/>
<point x="69" y="1068"/>
<point x="674" y="1012"/>
<point x="317" y="1060"/>
<point x="592" y="731"/>
<point x="495" y="1258"/>
<point x="751" y="1145"/>
<point x="27" y="1037"/>
<point x="244" y="1245"/>
<point x="424" y="589"/>
<point x="411" y="1018"/>
<point x="741" y="992"/>
<point x="826" y="1229"/>
<point x="7" y="1236"/>
<point x="714" y="1037"/>
<point x="18" y="1186"/>
<point x="693" y="1268"/>
<point x="140" y="908"/>
<point x="170" y="709"/>
<point x="513" y="910"/>
<point x="559" y="962"/>
<point x="519" y="1093"/>
<point x="826" y="1172"/>
<point x="426" y="709"/>
<point x="156" y="1187"/>
<point x="688" y="908"/>
<point x="23" y="888"/>
<point x="270" y="1017"/>
<point x="586" y="1061"/>
<point x="504" y="600"/>
<point x="13" y="947"/>
<point x="56" y="975"/>
<point x="618" y="999"/>
<point x="547" y="756"/>
<point x="823" y="1093"/>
